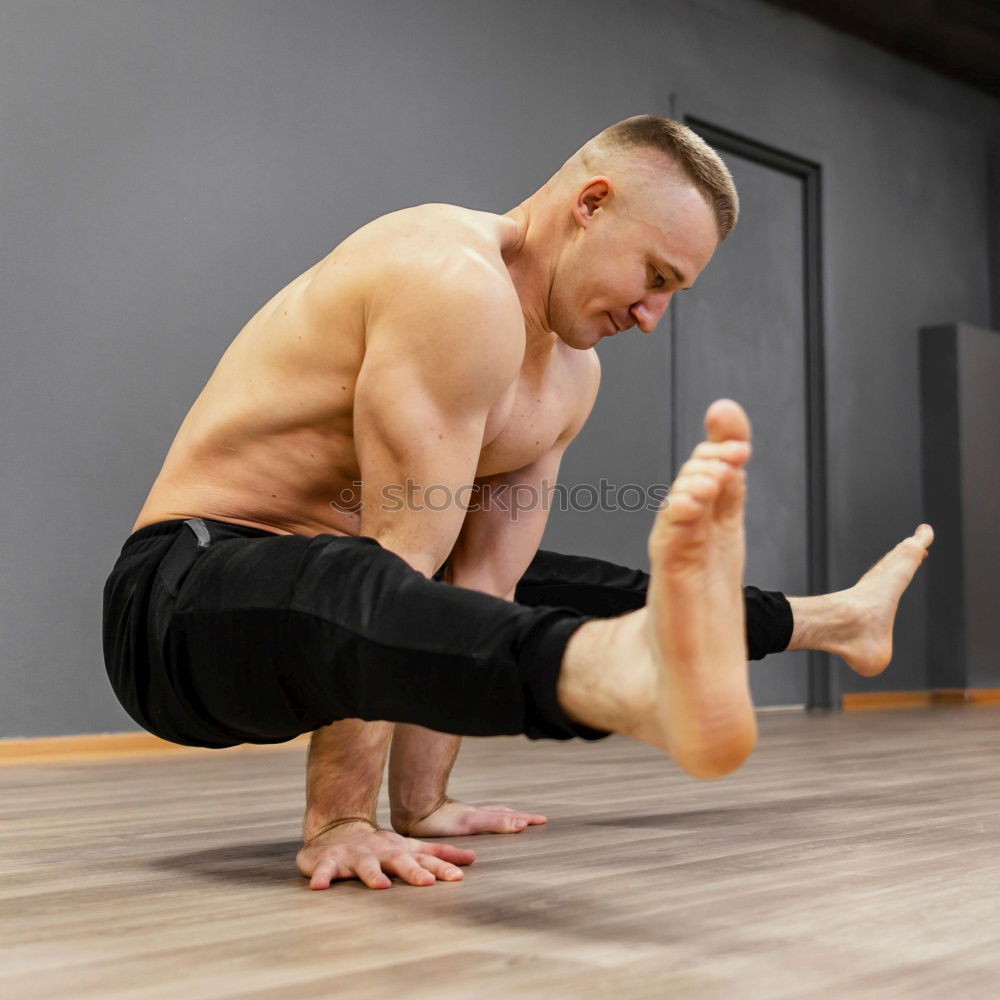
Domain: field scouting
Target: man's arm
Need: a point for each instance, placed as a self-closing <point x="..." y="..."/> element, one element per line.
<point x="501" y="534"/>
<point x="343" y="774"/>
<point x="504" y="527"/>
<point x="438" y="356"/>
<point x="494" y="548"/>
<point x="499" y="538"/>
<point x="441" y="347"/>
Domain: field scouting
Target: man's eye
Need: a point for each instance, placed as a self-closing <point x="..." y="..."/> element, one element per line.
<point x="658" y="279"/>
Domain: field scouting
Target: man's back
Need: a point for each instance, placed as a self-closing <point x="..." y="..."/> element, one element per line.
<point x="270" y="441"/>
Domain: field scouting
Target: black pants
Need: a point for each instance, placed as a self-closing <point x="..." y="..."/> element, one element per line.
<point x="217" y="634"/>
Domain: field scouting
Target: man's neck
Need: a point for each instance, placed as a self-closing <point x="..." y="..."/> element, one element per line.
<point x="529" y="262"/>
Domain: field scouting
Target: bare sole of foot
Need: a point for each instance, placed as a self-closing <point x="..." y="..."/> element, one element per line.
<point x="674" y="674"/>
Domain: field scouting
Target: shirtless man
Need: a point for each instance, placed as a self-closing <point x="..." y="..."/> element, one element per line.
<point x="269" y="590"/>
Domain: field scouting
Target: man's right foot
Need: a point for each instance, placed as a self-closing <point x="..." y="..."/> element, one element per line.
<point x="674" y="674"/>
<point x="857" y="623"/>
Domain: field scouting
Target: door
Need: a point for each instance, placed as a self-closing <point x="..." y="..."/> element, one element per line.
<point x="745" y="331"/>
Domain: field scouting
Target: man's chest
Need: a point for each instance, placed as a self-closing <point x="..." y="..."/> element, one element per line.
<point x="526" y="422"/>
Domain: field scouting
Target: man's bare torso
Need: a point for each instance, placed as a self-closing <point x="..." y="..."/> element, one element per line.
<point x="269" y="443"/>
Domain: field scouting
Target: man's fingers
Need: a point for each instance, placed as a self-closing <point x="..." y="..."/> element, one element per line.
<point x="456" y="855"/>
<point x="443" y="870"/>
<point x="414" y="861"/>
<point x="323" y="874"/>
<point x="521" y="821"/>
<point x="407" y="867"/>
<point x="370" y="872"/>
<point x="531" y="818"/>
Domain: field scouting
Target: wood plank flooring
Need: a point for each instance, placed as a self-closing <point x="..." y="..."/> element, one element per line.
<point x="853" y="856"/>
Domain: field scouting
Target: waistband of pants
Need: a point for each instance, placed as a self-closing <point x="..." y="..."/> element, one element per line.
<point x="170" y="528"/>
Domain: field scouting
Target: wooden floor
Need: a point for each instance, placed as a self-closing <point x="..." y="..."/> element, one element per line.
<point x="853" y="856"/>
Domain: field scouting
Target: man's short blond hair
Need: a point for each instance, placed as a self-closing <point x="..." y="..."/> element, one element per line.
<point x="686" y="150"/>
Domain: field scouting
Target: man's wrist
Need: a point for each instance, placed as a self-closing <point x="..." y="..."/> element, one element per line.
<point x="343" y="774"/>
<point x="316" y="827"/>
<point x="415" y="811"/>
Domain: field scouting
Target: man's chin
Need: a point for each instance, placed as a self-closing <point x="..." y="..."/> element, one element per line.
<point x="580" y="339"/>
<point x="584" y="342"/>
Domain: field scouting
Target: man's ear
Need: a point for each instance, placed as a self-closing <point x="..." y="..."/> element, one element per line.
<point x="592" y="196"/>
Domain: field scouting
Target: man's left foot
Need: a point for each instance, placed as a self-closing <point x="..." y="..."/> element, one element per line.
<point x="458" y="819"/>
<point x="864" y="637"/>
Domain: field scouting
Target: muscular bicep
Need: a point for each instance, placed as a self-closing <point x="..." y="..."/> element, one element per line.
<point x="431" y="372"/>
<point x="415" y="452"/>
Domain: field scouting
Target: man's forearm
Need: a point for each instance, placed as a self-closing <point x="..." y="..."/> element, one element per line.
<point x="344" y="773"/>
<point x="419" y="768"/>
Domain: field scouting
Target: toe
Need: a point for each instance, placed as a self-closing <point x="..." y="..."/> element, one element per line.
<point x="732" y="497"/>
<point x="726" y="420"/>
<point x="680" y="508"/>
<point x="733" y="452"/>
<point x="700" y="485"/>
<point x="712" y="468"/>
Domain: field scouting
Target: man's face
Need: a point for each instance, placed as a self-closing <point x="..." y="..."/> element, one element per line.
<point x="630" y="253"/>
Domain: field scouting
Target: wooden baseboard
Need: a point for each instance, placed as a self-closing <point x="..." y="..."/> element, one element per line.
<point x="107" y="745"/>
<point x="875" y="701"/>
<point x="138" y="744"/>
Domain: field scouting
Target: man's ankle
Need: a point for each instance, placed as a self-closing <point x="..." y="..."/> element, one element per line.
<point x="584" y="690"/>
<point x="820" y="622"/>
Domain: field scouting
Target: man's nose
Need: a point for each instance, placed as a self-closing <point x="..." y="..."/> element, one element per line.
<point x="648" y="312"/>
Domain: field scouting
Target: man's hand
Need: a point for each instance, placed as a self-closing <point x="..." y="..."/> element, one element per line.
<point x="360" y="850"/>
<point x="458" y="819"/>
<point x="419" y="767"/>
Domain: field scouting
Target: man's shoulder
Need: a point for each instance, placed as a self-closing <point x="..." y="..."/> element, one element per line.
<point x="434" y="258"/>
<point x="418" y="257"/>
<point x="437" y="294"/>
<point x="441" y="238"/>
<point x="420" y="236"/>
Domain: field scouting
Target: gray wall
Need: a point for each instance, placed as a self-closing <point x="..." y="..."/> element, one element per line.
<point x="165" y="166"/>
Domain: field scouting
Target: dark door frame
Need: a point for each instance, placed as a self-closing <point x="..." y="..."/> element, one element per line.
<point x="821" y="692"/>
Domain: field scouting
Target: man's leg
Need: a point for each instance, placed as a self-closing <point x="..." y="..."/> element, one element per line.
<point x="695" y="703"/>
<point x="231" y="635"/>
<point x="603" y="589"/>
<point x="855" y="624"/>
<point x="674" y="673"/>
